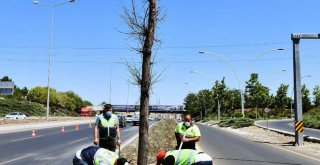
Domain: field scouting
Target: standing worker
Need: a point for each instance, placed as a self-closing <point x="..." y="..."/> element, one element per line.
<point x="108" y="126"/>
<point x="187" y="133"/>
<point x="95" y="155"/>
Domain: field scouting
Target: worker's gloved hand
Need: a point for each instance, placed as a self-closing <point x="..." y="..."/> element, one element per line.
<point x="184" y="139"/>
<point x="119" y="141"/>
<point x="96" y="141"/>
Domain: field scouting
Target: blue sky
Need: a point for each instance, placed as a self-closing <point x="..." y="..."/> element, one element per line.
<point x="89" y="49"/>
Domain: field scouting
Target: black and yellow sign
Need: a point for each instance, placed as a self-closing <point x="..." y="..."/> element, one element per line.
<point x="299" y="126"/>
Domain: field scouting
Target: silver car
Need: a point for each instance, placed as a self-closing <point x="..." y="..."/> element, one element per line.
<point x="15" y="116"/>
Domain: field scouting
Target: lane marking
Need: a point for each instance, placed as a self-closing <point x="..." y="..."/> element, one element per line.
<point x="78" y="140"/>
<point x="1" y="163"/>
<point x="303" y="155"/>
<point x="26" y="138"/>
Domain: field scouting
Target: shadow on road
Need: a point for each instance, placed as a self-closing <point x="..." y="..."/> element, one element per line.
<point x="258" y="161"/>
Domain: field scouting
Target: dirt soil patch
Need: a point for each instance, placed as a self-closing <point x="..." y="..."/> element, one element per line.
<point x="43" y="119"/>
<point x="261" y="135"/>
<point x="161" y="137"/>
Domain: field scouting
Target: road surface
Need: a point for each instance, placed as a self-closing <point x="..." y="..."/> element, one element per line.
<point x="288" y="125"/>
<point x="50" y="146"/>
<point x="231" y="149"/>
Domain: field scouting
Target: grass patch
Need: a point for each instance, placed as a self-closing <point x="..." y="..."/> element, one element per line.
<point x="236" y="122"/>
<point x="161" y="137"/>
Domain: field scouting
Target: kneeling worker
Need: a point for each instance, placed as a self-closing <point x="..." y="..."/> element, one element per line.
<point x="95" y="155"/>
<point x="183" y="157"/>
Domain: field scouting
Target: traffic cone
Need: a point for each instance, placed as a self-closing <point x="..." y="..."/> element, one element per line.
<point x="62" y="129"/>
<point x="90" y="126"/>
<point x="77" y="126"/>
<point x="33" y="133"/>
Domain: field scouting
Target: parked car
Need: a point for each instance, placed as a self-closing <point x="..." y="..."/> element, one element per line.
<point x="122" y="121"/>
<point x="129" y="118"/>
<point x="15" y="116"/>
<point x="136" y="119"/>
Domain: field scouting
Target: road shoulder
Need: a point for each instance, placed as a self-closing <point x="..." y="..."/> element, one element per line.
<point x="259" y="135"/>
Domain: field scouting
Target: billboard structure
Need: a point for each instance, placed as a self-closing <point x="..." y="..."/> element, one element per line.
<point x="6" y="87"/>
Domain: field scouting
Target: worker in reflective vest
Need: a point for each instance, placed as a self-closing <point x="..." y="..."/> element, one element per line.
<point x="95" y="155"/>
<point x="107" y="124"/>
<point x="183" y="157"/>
<point x="188" y="133"/>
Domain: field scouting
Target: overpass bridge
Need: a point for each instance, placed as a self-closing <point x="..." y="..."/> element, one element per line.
<point x="152" y="108"/>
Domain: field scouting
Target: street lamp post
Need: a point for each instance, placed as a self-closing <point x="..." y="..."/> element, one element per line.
<point x="51" y="44"/>
<point x="234" y="71"/>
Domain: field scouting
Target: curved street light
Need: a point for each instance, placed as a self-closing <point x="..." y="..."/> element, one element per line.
<point x="235" y="73"/>
<point x="262" y="54"/>
<point x="51" y="44"/>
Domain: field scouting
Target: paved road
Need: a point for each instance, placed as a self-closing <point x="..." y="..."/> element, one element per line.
<point x="288" y="125"/>
<point x="230" y="149"/>
<point x="50" y="146"/>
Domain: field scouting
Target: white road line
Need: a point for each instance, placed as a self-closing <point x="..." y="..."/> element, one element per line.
<point x="1" y="163"/>
<point x="79" y="140"/>
<point x="25" y="138"/>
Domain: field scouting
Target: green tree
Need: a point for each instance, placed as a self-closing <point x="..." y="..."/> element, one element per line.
<point x="219" y="92"/>
<point x="206" y="102"/>
<point x="6" y="78"/>
<point x="316" y="94"/>
<point x="257" y="95"/>
<point x="281" y="99"/>
<point x="39" y="95"/>
<point x="192" y="104"/>
<point x="306" y="102"/>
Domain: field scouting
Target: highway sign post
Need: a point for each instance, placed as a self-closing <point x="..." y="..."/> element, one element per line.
<point x="295" y="37"/>
<point x="6" y="87"/>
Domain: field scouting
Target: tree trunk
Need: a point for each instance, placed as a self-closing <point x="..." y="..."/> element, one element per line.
<point x="145" y="85"/>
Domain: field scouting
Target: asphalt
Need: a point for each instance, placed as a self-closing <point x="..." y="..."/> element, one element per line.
<point x="288" y="125"/>
<point x="230" y="149"/>
<point x="50" y="146"/>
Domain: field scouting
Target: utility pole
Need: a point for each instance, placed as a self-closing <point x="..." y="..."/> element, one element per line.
<point x="297" y="84"/>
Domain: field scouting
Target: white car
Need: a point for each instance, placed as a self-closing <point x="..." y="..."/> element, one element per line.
<point x="129" y="118"/>
<point x="15" y="116"/>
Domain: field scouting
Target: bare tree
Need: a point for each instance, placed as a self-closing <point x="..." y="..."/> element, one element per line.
<point x="142" y="28"/>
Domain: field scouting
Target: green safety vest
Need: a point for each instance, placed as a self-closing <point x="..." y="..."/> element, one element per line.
<point x="184" y="156"/>
<point x="107" y="127"/>
<point x="105" y="156"/>
<point x="182" y="129"/>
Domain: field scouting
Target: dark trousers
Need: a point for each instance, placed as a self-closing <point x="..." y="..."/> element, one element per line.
<point x="109" y="143"/>
<point x="77" y="161"/>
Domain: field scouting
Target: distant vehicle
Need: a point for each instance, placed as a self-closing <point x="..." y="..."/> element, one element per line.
<point x="122" y="121"/>
<point x="136" y="118"/>
<point x="129" y="118"/>
<point x="15" y="116"/>
<point x="86" y="111"/>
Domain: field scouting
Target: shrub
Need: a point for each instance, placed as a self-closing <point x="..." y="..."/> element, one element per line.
<point x="312" y="118"/>
<point x="236" y="122"/>
<point x="26" y="107"/>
